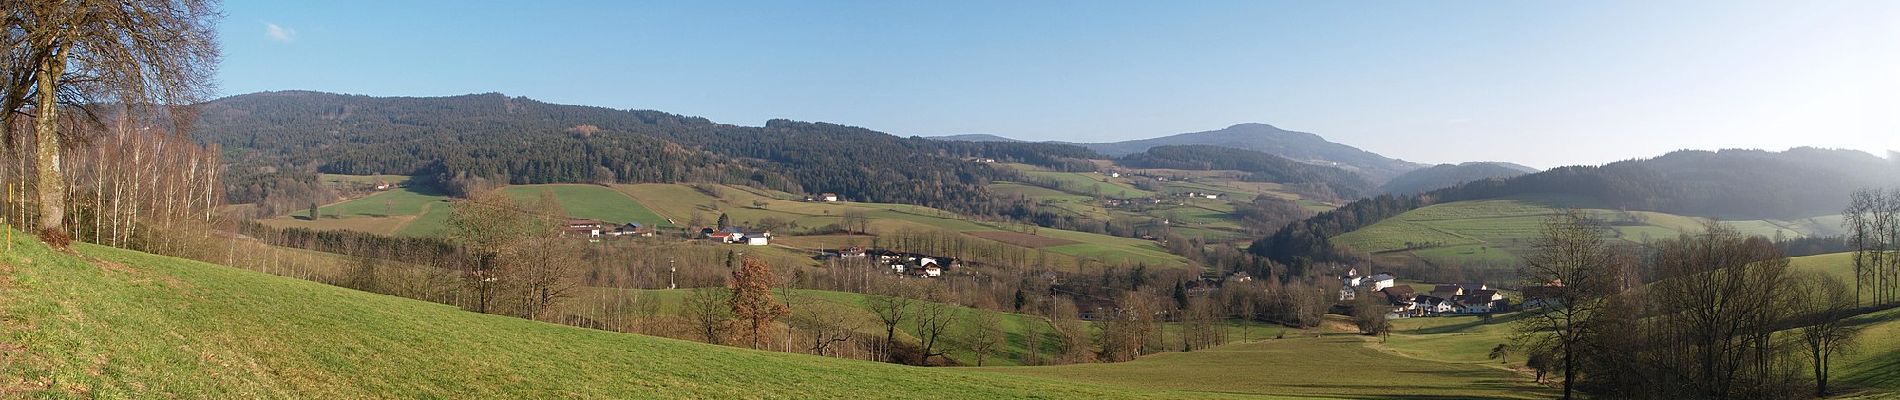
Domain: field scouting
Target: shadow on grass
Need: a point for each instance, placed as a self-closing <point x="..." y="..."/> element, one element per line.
<point x="1881" y="371"/>
<point x="1454" y="328"/>
<point x="1368" y="391"/>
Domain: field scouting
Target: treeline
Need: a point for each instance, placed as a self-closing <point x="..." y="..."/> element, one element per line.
<point x="135" y="183"/>
<point x="1872" y="219"/>
<point x="1730" y="184"/>
<point x="467" y="143"/>
<point x="1708" y="316"/>
<point x="1447" y="175"/>
<point x="1307" y="241"/>
<point x="1261" y="167"/>
<point x="498" y="262"/>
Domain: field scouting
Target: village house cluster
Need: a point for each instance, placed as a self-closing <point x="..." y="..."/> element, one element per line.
<point x="737" y="235"/>
<point x="1444" y="299"/>
<point x="595" y="229"/>
<point x="914" y="265"/>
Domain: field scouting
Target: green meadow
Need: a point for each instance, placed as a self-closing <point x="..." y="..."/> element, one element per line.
<point x="1497" y="232"/>
<point x="591" y="201"/>
<point x="113" y="323"/>
<point x="744" y="206"/>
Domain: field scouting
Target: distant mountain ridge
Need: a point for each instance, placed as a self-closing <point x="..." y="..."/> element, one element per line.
<point x="974" y="137"/>
<point x="1298" y="146"/>
<point x="277" y="141"/>
<point x="1261" y="167"/>
<point x="1448" y="175"/>
<point x="1729" y="184"/>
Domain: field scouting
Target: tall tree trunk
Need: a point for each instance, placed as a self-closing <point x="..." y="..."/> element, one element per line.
<point x="1569" y="373"/>
<point x="52" y="184"/>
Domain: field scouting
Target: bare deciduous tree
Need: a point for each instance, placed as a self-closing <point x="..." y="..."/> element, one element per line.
<point x="150" y="55"/>
<point x="930" y="318"/>
<point x="892" y="307"/>
<point x="710" y="314"/>
<point x="986" y="335"/>
<point x="1825" y="332"/>
<point x="1570" y="253"/>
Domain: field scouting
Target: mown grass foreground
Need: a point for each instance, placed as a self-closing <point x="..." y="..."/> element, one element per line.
<point x="104" y="322"/>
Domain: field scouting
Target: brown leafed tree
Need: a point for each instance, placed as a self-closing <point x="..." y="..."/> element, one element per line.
<point x="752" y="301"/>
<point x="148" y="55"/>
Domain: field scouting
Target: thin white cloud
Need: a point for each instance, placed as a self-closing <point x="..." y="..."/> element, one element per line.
<point x="279" y="33"/>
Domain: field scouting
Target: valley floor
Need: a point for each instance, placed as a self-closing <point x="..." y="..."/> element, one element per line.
<point x="102" y="322"/>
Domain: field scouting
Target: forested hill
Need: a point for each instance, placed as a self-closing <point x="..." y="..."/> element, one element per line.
<point x="1261" y="167"/>
<point x="974" y="137"/>
<point x="1298" y="146"/>
<point x="492" y="138"/>
<point x="1727" y="184"/>
<point x="1448" y="175"/>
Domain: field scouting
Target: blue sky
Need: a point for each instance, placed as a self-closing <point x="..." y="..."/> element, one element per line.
<point x="1539" y="83"/>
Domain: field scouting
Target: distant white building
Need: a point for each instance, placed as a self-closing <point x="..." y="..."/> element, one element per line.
<point x="1380" y="281"/>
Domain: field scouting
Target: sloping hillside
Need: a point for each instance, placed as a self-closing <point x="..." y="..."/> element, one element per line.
<point x="1728" y="184"/>
<point x="474" y="140"/>
<point x="1800" y="184"/>
<point x="114" y="323"/>
<point x="1497" y="232"/>
<point x="1448" y="175"/>
<point x="1335" y="365"/>
<point x="1300" y="146"/>
<point x="1260" y="167"/>
<point x="974" y="137"/>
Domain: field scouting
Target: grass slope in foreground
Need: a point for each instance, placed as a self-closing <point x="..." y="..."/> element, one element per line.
<point x="1332" y="365"/>
<point x="115" y="323"/>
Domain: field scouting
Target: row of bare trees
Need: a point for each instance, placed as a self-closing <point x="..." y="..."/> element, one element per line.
<point x="1872" y="219"/>
<point x="145" y="189"/>
<point x="1725" y="317"/>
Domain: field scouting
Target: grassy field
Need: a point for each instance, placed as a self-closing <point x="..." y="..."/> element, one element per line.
<point x="1014" y="351"/>
<point x="1876" y="363"/>
<point x="1083" y="183"/>
<point x="751" y="207"/>
<point x="1498" y="231"/>
<point x="420" y="211"/>
<point x="1211" y="220"/>
<point x="1333" y="365"/>
<point x="113" y="323"/>
<point x="1468" y="339"/>
<point x="417" y="212"/>
<point x="591" y="201"/>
